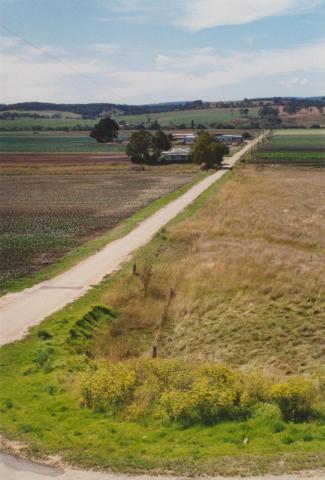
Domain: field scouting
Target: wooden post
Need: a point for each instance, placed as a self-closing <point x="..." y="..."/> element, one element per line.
<point x="154" y="351"/>
<point x="170" y="295"/>
<point x="134" y="269"/>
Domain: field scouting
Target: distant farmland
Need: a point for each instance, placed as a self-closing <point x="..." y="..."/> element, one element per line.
<point x="215" y="115"/>
<point x="55" y="144"/>
<point x="295" y="147"/>
<point x="44" y="123"/>
<point x="203" y="116"/>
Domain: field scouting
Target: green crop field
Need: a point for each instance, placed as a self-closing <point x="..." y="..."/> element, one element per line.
<point x="54" y="144"/>
<point x="185" y="117"/>
<point x="293" y="147"/>
<point x="39" y="123"/>
<point x="296" y="142"/>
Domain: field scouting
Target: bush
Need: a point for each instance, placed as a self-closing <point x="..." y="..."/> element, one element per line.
<point x="169" y="390"/>
<point x="254" y="389"/>
<point x="111" y="385"/>
<point x="295" y="398"/>
<point x="44" y="335"/>
<point x="42" y="355"/>
<point x="176" y="391"/>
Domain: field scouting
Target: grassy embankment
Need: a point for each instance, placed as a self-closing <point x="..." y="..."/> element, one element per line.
<point x="245" y="267"/>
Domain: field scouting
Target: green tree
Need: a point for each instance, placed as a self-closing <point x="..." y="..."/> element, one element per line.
<point x="105" y="130"/>
<point x="207" y="150"/>
<point x="160" y="142"/>
<point x="138" y="148"/>
<point x="270" y="116"/>
<point x="154" y="125"/>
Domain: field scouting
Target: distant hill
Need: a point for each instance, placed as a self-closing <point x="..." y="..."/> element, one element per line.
<point x="93" y="110"/>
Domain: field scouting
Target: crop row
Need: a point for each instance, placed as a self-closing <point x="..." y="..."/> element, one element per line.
<point x="295" y="143"/>
<point x="44" y="216"/>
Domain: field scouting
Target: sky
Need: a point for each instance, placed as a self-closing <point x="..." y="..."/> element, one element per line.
<point x="148" y="51"/>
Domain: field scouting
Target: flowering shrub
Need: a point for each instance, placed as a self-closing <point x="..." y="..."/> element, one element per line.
<point x="177" y="391"/>
<point x="110" y="386"/>
<point x="295" y="398"/>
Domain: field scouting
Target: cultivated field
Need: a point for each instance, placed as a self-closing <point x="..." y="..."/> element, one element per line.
<point x="298" y="147"/>
<point x="55" y="144"/>
<point x="43" y="216"/>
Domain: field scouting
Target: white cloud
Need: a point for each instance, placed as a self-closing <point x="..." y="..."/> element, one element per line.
<point x="195" y="15"/>
<point x="201" y="14"/>
<point x="198" y="73"/>
<point x="294" y="82"/>
<point x="190" y="75"/>
<point x="28" y="77"/>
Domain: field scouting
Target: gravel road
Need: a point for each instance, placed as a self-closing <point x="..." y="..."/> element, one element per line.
<point x="20" y="311"/>
<point x="13" y="468"/>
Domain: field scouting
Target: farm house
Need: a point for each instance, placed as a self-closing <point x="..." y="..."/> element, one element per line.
<point x="184" y="137"/>
<point x="175" y="155"/>
<point x="229" y="139"/>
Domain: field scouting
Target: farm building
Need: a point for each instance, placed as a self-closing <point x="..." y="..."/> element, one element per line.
<point x="184" y="137"/>
<point x="175" y="155"/>
<point x="229" y="139"/>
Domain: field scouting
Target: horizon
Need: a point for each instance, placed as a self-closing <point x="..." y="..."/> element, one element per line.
<point x="141" y="52"/>
<point x="177" y="102"/>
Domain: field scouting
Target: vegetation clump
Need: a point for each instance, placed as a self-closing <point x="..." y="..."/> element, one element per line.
<point x="207" y="150"/>
<point x="145" y="147"/>
<point x="106" y="130"/>
<point x="176" y="391"/>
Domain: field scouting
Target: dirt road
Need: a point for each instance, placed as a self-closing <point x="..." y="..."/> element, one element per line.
<point x="19" y="311"/>
<point x="12" y="468"/>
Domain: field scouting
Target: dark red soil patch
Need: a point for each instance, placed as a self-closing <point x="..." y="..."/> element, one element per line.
<point x="26" y="159"/>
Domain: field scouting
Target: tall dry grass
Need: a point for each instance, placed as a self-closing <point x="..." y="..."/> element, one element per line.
<point x="248" y="275"/>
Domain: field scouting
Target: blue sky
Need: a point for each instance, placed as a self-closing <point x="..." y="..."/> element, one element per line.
<point x="144" y="51"/>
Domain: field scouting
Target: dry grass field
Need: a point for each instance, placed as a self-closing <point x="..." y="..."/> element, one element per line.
<point x="247" y="274"/>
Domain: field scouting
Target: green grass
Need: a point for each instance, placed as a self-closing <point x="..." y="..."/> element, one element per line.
<point x="55" y="144"/>
<point x="186" y="117"/>
<point x="38" y="123"/>
<point x="40" y="405"/>
<point x="221" y="115"/>
<point x="88" y="248"/>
